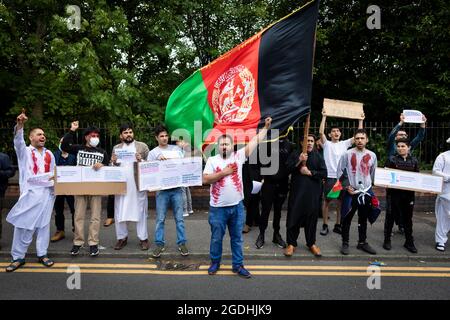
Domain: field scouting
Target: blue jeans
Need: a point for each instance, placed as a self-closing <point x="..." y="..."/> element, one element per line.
<point x="219" y="218"/>
<point x="164" y="199"/>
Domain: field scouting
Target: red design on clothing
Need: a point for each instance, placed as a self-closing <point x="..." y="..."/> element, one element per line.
<point x="353" y="162"/>
<point x="217" y="187"/>
<point x="365" y="164"/>
<point x="47" y="161"/>
<point x="235" y="178"/>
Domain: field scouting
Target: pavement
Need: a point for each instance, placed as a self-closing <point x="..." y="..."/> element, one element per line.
<point x="198" y="235"/>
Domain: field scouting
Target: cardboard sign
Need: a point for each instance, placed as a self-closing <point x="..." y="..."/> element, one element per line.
<point x="168" y="174"/>
<point x="407" y="180"/>
<point x="79" y="180"/>
<point x="343" y="109"/>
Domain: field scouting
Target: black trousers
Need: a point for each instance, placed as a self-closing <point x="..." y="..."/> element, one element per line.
<point x="294" y="224"/>
<point x="252" y="210"/>
<point x="110" y="207"/>
<point x="363" y="213"/>
<point x="397" y="219"/>
<point x="1" y="209"/>
<point x="272" y="193"/>
<point x="59" y="210"/>
<point x="401" y="205"/>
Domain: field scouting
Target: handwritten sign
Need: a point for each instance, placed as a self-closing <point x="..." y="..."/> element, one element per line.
<point x="343" y="109"/>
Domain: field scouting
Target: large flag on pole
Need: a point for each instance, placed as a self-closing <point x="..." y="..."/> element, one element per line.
<point x="269" y="74"/>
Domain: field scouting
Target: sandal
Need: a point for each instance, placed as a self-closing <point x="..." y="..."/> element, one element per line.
<point x="46" y="261"/>
<point x="440" y="247"/>
<point x="15" y="264"/>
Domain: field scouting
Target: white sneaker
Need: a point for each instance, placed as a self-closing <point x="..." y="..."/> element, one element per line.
<point x="191" y="212"/>
<point x="185" y="214"/>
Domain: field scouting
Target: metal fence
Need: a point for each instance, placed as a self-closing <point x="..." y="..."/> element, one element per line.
<point x="434" y="143"/>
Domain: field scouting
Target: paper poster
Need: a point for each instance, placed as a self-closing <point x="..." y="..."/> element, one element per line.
<point x="256" y="187"/>
<point x="42" y="180"/>
<point x="412" y="116"/>
<point x="168" y="174"/>
<point x="67" y="174"/>
<point x="407" y="180"/>
<point x="125" y="156"/>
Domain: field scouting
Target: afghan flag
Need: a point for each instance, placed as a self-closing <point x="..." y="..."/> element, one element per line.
<point x="269" y="74"/>
<point x="335" y="190"/>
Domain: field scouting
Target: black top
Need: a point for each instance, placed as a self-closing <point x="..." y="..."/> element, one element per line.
<point x="86" y="155"/>
<point x="398" y="162"/>
<point x="6" y="172"/>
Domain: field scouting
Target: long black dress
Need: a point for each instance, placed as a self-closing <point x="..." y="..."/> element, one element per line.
<point x="304" y="197"/>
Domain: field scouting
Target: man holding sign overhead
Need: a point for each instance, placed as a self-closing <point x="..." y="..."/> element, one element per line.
<point x="132" y="206"/>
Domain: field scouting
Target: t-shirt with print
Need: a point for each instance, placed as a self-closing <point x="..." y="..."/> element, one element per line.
<point x="332" y="152"/>
<point x="229" y="190"/>
<point x="360" y="166"/>
<point x="86" y="155"/>
<point x="169" y="152"/>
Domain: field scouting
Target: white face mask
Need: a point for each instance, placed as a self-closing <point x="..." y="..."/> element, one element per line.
<point x="94" y="141"/>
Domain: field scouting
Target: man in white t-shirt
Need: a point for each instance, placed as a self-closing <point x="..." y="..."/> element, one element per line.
<point x="169" y="197"/>
<point x="332" y="151"/>
<point x="224" y="173"/>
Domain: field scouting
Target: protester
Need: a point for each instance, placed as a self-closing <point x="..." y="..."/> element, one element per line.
<point x="274" y="191"/>
<point x="169" y="197"/>
<point x="63" y="159"/>
<point x="251" y="172"/>
<point x="87" y="154"/>
<point x="307" y="171"/>
<point x="6" y="172"/>
<point x="32" y="212"/>
<point x="401" y="202"/>
<point x="109" y="211"/>
<point x="332" y="151"/>
<point x="441" y="168"/>
<point x="132" y="206"/>
<point x="359" y="164"/>
<point x="224" y="173"/>
<point x="399" y="133"/>
<point x="186" y="192"/>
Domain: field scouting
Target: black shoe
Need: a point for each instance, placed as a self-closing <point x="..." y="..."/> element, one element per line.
<point x="93" y="251"/>
<point x="345" y="249"/>
<point x="401" y="230"/>
<point x="324" y="230"/>
<point x="337" y="229"/>
<point x="366" y="247"/>
<point x="278" y="240"/>
<point x="410" y="247"/>
<point x="387" y="244"/>
<point x="75" y="250"/>
<point x="260" y="241"/>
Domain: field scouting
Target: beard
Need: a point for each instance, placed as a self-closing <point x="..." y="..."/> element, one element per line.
<point x="129" y="140"/>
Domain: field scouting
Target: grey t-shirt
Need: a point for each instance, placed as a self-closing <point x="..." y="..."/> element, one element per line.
<point x="360" y="167"/>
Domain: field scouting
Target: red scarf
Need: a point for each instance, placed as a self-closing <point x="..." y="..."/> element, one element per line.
<point x="47" y="161"/>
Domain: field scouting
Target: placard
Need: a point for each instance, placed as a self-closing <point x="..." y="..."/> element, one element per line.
<point x="407" y="180"/>
<point x="412" y="116"/>
<point x="168" y="174"/>
<point x="41" y="180"/>
<point x="125" y="156"/>
<point x="343" y="109"/>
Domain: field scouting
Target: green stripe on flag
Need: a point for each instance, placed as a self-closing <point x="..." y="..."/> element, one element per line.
<point x="187" y="104"/>
<point x="335" y="191"/>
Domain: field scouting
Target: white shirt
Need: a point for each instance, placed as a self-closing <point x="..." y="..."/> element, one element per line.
<point x="332" y="152"/>
<point x="170" y="152"/>
<point x="229" y="190"/>
<point x="441" y="168"/>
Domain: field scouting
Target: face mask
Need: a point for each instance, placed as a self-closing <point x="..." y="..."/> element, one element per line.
<point x="94" y="141"/>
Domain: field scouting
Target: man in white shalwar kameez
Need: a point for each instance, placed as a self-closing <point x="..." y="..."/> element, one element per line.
<point x="441" y="167"/>
<point x="33" y="210"/>
<point x="132" y="206"/>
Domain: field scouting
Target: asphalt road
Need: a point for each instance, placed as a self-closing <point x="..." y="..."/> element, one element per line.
<point x="141" y="279"/>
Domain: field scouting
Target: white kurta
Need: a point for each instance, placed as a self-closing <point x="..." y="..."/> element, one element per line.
<point x="35" y="205"/>
<point x="441" y="167"/>
<point x="132" y="206"/>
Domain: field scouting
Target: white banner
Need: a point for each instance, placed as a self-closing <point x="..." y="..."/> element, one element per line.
<point x="68" y="174"/>
<point x="407" y="180"/>
<point x="168" y="174"/>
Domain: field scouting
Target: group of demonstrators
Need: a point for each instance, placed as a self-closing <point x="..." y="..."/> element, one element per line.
<point x="314" y="175"/>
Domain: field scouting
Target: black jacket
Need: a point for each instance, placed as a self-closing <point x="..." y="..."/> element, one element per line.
<point x="86" y="156"/>
<point x="398" y="162"/>
<point x="6" y="172"/>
